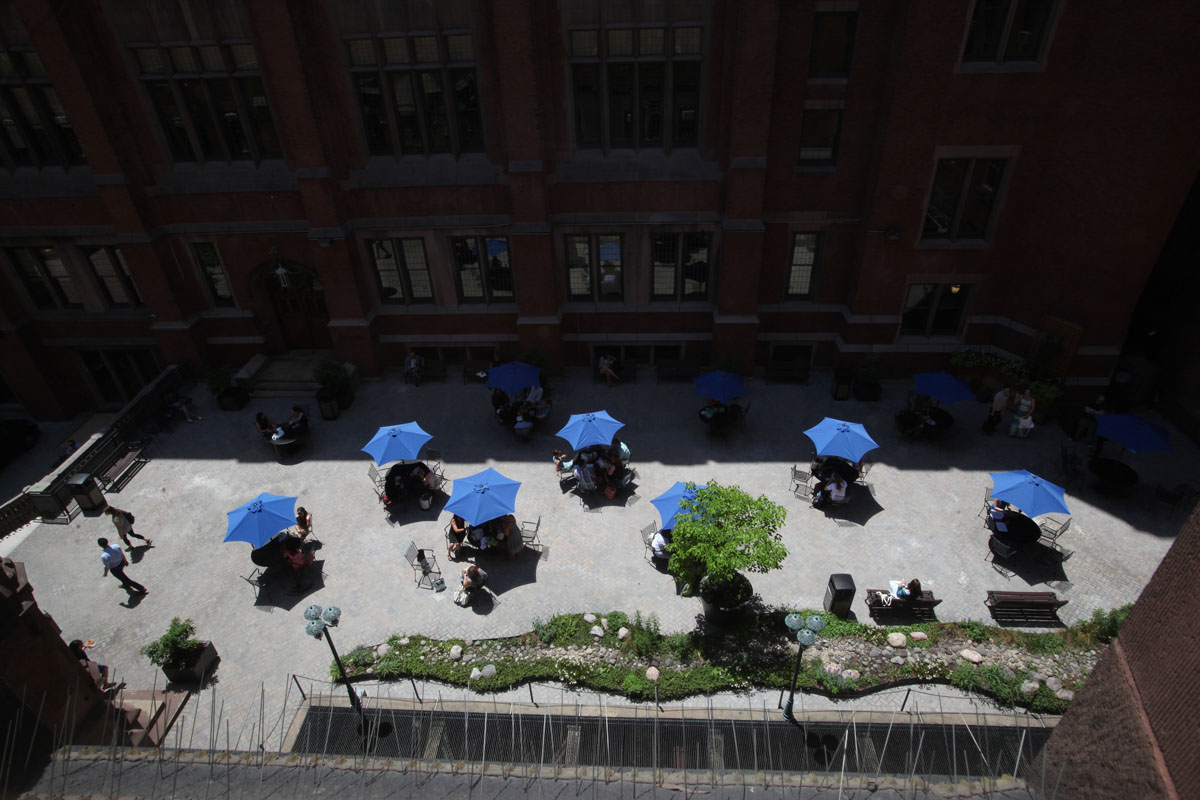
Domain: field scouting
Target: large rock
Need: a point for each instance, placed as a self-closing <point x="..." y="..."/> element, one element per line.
<point x="1029" y="687"/>
<point x="851" y="675"/>
<point x="589" y="618"/>
<point x="622" y="632"/>
<point x="597" y="630"/>
<point x="897" y="659"/>
<point x="897" y="640"/>
<point x="919" y="636"/>
<point x="383" y="650"/>
<point x="652" y="674"/>
<point x="456" y="652"/>
<point x="972" y="656"/>
<point x="604" y="623"/>
<point x="833" y="669"/>
<point x="489" y="671"/>
<point x="476" y="674"/>
<point x="1065" y="694"/>
<point x="1053" y="684"/>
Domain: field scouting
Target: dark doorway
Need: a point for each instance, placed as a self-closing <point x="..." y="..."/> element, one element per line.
<point x="299" y="302"/>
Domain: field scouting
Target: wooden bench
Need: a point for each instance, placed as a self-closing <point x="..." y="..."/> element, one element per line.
<point x="787" y="371"/>
<point x="676" y="369"/>
<point x="1024" y="607"/>
<point x="124" y="462"/>
<point x="916" y="607"/>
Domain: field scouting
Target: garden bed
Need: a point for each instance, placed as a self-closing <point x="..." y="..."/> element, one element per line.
<point x="611" y="653"/>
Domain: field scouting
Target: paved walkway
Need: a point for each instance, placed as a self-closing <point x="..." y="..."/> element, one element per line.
<point x="925" y="525"/>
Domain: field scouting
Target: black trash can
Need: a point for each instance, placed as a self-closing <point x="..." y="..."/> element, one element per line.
<point x="85" y="491"/>
<point x="839" y="594"/>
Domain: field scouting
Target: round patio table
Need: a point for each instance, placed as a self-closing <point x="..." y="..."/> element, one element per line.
<point x="1113" y="475"/>
<point x="825" y="464"/>
<point x="1019" y="531"/>
<point x="938" y="422"/>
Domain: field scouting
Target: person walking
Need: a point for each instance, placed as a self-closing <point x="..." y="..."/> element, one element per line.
<point x="996" y="413"/>
<point x="114" y="561"/>
<point x="123" y="522"/>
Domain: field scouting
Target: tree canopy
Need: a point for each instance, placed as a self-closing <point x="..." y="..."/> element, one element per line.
<point x="720" y="530"/>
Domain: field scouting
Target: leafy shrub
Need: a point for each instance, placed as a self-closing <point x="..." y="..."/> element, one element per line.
<point x="177" y="648"/>
<point x="644" y="635"/>
<point x="974" y="630"/>
<point x="1045" y="701"/>
<point x="1006" y="690"/>
<point x="682" y="646"/>
<point x="965" y="677"/>
<point x="1043" y="643"/>
<point x="617" y="620"/>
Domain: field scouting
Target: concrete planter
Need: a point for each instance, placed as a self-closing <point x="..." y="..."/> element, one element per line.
<point x="197" y="670"/>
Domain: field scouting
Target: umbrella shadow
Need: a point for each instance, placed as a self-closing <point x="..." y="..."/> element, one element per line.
<point x="594" y="502"/>
<point x="409" y="510"/>
<point x="1034" y="564"/>
<point x="859" y="511"/>
<point x="279" y="589"/>
<point x="505" y="575"/>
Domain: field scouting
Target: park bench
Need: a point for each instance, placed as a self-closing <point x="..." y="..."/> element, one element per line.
<point x="125" y="459"/>
<point x="676" y="369"/>
<point x="917" y="607"/>
<point x="1024" y="607"/>
<point x="787" y="371"/>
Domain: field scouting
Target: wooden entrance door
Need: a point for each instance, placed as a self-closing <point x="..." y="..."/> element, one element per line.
<point x="303" y="319"/>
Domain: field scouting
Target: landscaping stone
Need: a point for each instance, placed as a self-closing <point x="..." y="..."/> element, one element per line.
<point x="622" y="632"/>
<point x="851" y="675"/>
<point x="652" y="674"/>
<point x="1053" y="684"/>
<point x="1008" y="673"/>
<point x="972" y="655"/>
<point x="898" y="659"/>
<point x="1029" y="687"/>
<point x="384" y="649"/>
<point x="456" y="652"/>
<point x="1038" y="676"/>
<point x="488" y="671"/>
<point x="589" y="618"/>
<point x="897" y="640"/>
<point x="604" y="623"/>
<point x="919" y="636"/>
<point x="597" y="630"/>
<point x="1065" y="694"/>
<point x="833" y="669"/>
<point x="476" y="674"/>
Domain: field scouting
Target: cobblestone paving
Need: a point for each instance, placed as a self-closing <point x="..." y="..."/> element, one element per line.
<point x="926" y="498"/>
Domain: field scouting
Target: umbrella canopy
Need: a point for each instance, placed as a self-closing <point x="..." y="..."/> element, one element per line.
<point x="721" y="386"/>
<point x="259" y="520"/>
<point x="1033" y="495"/>
<point x="668" y="503"/>
<point x="848" y="440"/>
<point x="943" y="387"/>
<point x="396" y="443"/>
<point x="1132" y="432"/>
<point x="483" y="496"/>
<point x="513" y="377"/>
<point x="595" y="427"/>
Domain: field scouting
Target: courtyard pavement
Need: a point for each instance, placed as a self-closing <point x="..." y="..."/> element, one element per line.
<point x="920" y="519"/>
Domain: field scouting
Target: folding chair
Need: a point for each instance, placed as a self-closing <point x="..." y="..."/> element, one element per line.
<point x="257" y="581"/>
<point x="862" y="473"/>
<point x="1004" y="553"/>
<point x="529" y="533"/>
<point x="424" y="564"/>
<point x="1052" y="529"/>
<point x="378" y="481"/>
<point x="648" y="537"/>
<point x="987" y="504"/>
<point x="800" y="480"/>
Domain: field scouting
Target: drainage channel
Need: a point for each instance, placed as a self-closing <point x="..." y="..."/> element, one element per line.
<point x="934" y="750"/>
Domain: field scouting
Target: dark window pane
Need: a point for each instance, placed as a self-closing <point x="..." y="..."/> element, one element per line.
<point x="33" y="278"/>
<point x="36" y="133"/>
<point x="980" y="198"/>
<point x="460" y="48"/>
<point x="466" y="263"/>
<point x="832" y="45"/>
<point x="260" y="117"/>
<point x="620" y="105"/>
<point x="687" y="41"/>
<point x="650" y="41"/>
<point x="695" y="266"/>
<point x="214" y="273"/>
<point x="499" y="276"/>
<point x="917" y="308"/>
<point x="435" y="112"/>
<point x="426" y="49"/>
<point x="804" y="259"/>
<point x="135" y="297"/>
<point x="1028" y="30"/>
<point x="951" y="306"/>
<point x="608" y="248"/>
<point x="145" y="363"/>
<point x="587" y="103"/>
<point x="651" y="78"/>
<point x="687" y="103"/>
<point x="14" y="140"/>
<point x="396" y="51"/>
<point x="620" y="42"/>
<point x="387" y="270"/>
<point x="66" y="134"/>
<point x="171" y="119"/>
<point x="244" y="57"/>
<point x="183" y="59"/>
<point x="664" y="256"/>
<point x="106" y="275"/>
<point x="230" y="118"/>
<point x="362" y="52"/>
<point x="585" y="43"/>
<point x="417" y="268"/>
<point x="987" y="28"/>
<point x="151" y="61"/>
<point x="67" y="291"/>
<point x="370" y="102"/>
<point x="579" y="267"/>
<point x="106" y="383"/>
<point x="202" y="121"/>
<point x="819" y="130"/>
<point x="466" y="101"/>
<point x="944" y="197"/>
<point x="407" y="122"/>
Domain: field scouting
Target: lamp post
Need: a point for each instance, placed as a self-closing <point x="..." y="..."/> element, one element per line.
<point x="806" y="635"/>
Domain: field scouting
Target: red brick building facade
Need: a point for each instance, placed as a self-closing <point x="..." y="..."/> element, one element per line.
<point x="204" y="181"/>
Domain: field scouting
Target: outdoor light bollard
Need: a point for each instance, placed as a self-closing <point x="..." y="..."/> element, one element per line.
<point x="319" y="622"/>
<point x="806" y="636"/>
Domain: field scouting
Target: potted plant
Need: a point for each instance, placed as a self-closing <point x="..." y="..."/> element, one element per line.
<point x="182" y="657"/>
<point x="719" y="531"/>
<point x="866" y="379"/>
<point x="336" y="392"/>
<point x="229" y="397"/>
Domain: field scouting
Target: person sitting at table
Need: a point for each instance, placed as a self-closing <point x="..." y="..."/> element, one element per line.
<point x="561" y="462"/>
<point x="714" y="413"/>
<point x="413" y="365"/>
<point x="523" y="427"/>
<point x="418" y="479"/>
<point x="659" y="549"/>
<point x="303" y="523"/>
<point x="297" y="557"/>
<point x="505" y="530"/>
<point x="831" y="491"/>
<point x="585" y="476"/>
<point x="265" y="426"/>
<point x="458" y="532"/>
<point x="996" y="516"/>
<point x="181" y="405"/>
<point x="473" y="579"/>
<point x="297" y="422"/>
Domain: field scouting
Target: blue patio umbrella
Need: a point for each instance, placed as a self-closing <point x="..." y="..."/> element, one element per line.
<point x="720" y="385"/>
<point x="513" y="377"/>
<point x="848" y="440"/>
<point x="258" y="521"/>
<point x="595" y="427"/>
<point x="1033" y="495"/>
<point x="396" y="443"/>
<point x="669" y="503"/>
<point x="483" y="496"/>
<point x="1132" y="432"/>
<point x="943" y="387"/>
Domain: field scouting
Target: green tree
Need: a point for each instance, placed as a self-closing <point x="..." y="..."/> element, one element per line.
<point x="721" y="529"/>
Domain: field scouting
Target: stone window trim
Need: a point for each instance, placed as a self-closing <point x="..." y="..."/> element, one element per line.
<point x="802" y="276"/>
<point x="1037" y="64"/>
<point x="1008" y="153"/>
<point x="211" y="274"/>
<point x="605" y="267"/>
<point x="482" y="267"/>
<point x="406" y="257"/>
<point x="35" y="131"/>
<point x="111" y="273"/>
